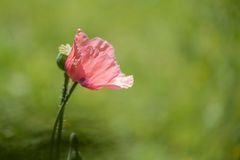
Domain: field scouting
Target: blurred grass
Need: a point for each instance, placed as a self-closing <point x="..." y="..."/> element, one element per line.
<point x="184" y="56"/>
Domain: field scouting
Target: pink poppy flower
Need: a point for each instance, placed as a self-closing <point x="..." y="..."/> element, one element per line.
<point x="92" y="63"/>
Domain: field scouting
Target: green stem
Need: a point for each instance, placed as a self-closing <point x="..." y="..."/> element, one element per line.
<point x="63" y="97"/>
<point x="65" y="87"/>
<point x="60" y="119"/>
<point x="64" y="93"/>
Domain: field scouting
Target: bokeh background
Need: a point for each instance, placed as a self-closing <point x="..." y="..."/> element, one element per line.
<point x="185" y="58"/>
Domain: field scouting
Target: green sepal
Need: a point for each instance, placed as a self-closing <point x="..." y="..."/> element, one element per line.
<point x="61" y="59"/>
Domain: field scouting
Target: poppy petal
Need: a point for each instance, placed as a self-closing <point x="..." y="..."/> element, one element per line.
<point x="121" y="81"/>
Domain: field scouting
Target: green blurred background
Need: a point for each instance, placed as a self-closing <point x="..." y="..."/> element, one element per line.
<point x="185" y="58"/>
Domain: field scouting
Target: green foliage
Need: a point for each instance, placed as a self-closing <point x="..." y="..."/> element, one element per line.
<point x="184" y="55"/>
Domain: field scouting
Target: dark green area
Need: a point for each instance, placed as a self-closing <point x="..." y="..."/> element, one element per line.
<point x="185" y="58"/>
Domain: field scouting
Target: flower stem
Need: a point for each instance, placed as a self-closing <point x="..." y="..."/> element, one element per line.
<point x="58" y="124"/>
<point x="63" y="97"/>
<point x="60" y="119"/>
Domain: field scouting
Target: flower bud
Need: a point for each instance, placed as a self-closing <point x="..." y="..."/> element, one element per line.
<point x="64" y="51"/>
<point x="73" y="153"/>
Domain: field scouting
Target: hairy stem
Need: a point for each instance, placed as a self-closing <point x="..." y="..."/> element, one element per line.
<point x="60" y="120"/>
<point x="63" y="96"/>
